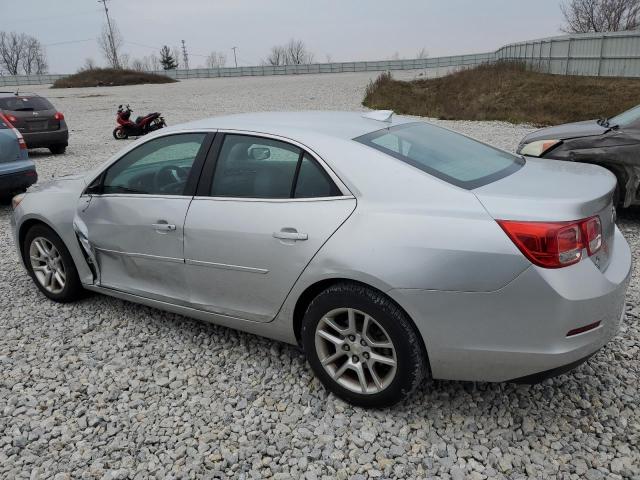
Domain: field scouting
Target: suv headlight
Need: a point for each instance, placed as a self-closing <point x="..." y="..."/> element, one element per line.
<point x="15" y="201"/>
<point x="538" y="148"/>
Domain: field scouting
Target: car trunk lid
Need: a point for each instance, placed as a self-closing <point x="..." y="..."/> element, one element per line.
<point x="30" y="121"/>
<point x="554" y="191"/>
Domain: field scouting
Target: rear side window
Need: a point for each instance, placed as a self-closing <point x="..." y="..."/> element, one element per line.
<point x="444" y="154"/>
<point x="25" y="104"/>
<point x="257" y="167"/>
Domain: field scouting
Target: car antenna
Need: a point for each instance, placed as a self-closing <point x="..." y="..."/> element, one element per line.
<point x="17" y="91"/>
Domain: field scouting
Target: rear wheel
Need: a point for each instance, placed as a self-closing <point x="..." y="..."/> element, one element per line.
<point x="50" y="265"/>
<point x="362" y="346"/>
<point x="58" y="149"/>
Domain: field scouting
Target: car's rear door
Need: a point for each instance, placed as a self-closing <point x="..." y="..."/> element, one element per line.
<point x="252" y="228"/>
<point x="133" y="217"/>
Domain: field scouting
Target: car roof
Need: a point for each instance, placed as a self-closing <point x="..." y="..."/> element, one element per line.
<point x="17" y="94"/>
<point x="297" y="125"/>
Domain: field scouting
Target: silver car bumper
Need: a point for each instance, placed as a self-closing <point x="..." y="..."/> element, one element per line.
<point x="521" y="329"/>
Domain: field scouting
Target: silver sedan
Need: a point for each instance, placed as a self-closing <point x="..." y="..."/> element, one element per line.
<point x="389" y="249"/>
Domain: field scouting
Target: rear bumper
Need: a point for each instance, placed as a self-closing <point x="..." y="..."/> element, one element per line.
<point x="46" y="139"/>
<point x="16" y="181"/>
<point x="521" y="329"/>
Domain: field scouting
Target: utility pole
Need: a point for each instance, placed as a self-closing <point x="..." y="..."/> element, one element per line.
<point x="185" y="57"/>
<point x="114" y="53"/>
<point x="235" y="59"/>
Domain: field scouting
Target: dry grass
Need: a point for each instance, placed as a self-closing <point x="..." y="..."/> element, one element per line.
<point x="508" y="92"/>
<point x="100" y="77"/>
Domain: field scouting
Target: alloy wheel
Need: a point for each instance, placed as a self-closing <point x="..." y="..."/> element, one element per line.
<point x="356" y="351"/>
<point x="47" y="265"/>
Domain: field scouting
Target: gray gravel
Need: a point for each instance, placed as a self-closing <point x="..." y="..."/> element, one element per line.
<point x="108" y="389"/>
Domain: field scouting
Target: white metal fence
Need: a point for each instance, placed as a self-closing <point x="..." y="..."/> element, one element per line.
<point x="595" y="54"/>
<point x="608" y="54"/>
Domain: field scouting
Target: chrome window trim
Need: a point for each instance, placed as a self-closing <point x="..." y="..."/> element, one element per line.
<point x="274" y="200"/>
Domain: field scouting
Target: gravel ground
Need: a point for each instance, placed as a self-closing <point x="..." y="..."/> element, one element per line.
<point x="108" y="389"/>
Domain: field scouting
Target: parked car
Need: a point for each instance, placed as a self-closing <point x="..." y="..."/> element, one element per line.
<point x="389" y="249"/>
<point x="613" y="143"/>
<point x="37" y="120"/>
<point x="17" y="172"/>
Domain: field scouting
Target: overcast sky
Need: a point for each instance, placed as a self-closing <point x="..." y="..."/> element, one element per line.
<point x="344" y="29"/>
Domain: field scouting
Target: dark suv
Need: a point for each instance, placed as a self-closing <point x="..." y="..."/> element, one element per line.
<point x="36" y="119"/>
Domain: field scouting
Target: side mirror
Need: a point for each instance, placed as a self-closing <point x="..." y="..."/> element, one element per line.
<point x="95" y="188"/>
<point x="259" y="153"/>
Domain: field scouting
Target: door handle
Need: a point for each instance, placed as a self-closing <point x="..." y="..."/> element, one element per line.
<point x="290" y="234"/>
<point x="164" y="227"/>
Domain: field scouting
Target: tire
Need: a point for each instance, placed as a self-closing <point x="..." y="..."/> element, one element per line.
<point x="395" y="383"/>
<point x="120" y="133"/>
<point x="58" y="149"/>
<point x="72" y="288"/>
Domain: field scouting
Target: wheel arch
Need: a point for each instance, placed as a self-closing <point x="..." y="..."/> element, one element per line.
<point x="309" y="293"/>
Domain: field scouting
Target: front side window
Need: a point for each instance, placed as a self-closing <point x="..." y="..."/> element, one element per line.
<point x="257" y="167"/>
<point x="158" y="167"/>
<point x="444" y="154"/>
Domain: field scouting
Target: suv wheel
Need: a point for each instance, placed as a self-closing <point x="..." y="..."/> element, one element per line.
<point x="362" y="346"/>
<point x="58" y="149"/>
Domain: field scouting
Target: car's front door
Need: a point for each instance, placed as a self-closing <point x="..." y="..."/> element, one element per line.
<point x="252" y="230"/>
<point x="133" y="216"/>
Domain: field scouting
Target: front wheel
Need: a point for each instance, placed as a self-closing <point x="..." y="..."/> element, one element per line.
<point x="362" y="346"/>
<point x="50" y="265"/>
<point x="120" y="133"/>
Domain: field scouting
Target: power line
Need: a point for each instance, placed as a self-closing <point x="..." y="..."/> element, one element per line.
<point x="68" y="42"/>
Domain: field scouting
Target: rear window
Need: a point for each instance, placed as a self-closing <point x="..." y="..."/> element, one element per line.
<point x="25" y="104"/>
<point x="444" y="154"/>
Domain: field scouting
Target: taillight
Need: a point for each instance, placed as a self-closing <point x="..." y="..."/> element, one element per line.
<point x="592" y="231"/>
<point x="11" y="118"/>
<point x="555" y="244"/>
<point x="59" y="116"/>
<point x="21" y="142"/>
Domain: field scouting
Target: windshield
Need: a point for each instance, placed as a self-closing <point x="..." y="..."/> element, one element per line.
<point x="25" y="104"/>
<point x="626" y="118"/>
<point x="444" y="154"/>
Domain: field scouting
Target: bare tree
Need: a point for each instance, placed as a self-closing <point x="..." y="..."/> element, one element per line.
<point x="33" y="57"/>
<point x="89" y="64"/>
<point x="583" y="16"/>
<point x="216" y="60"/>
<point x="138" y="64"/>
<point x="12" y="46"/>
<point x="176" y="53"/>
<point x="395" y="56"/>
<point x="297" y="53"/>
<point x="111" y="46"/>
<point x="277" y="56"/>
<point x="422" y="53"/>
<point x="154" y="62"/>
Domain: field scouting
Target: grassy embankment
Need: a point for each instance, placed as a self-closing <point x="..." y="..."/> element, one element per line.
<point x="508" y="92"/>
<point x="108" y="77"/>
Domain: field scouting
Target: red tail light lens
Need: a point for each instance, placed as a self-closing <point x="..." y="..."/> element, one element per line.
<point x="11" y="118"/>
<point x="592" y="230"/>
<point x="555" y="244"/>
<point x="59" y="116"/>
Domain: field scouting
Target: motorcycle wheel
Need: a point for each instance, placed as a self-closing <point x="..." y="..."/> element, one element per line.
<point x="120" y="134"/>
